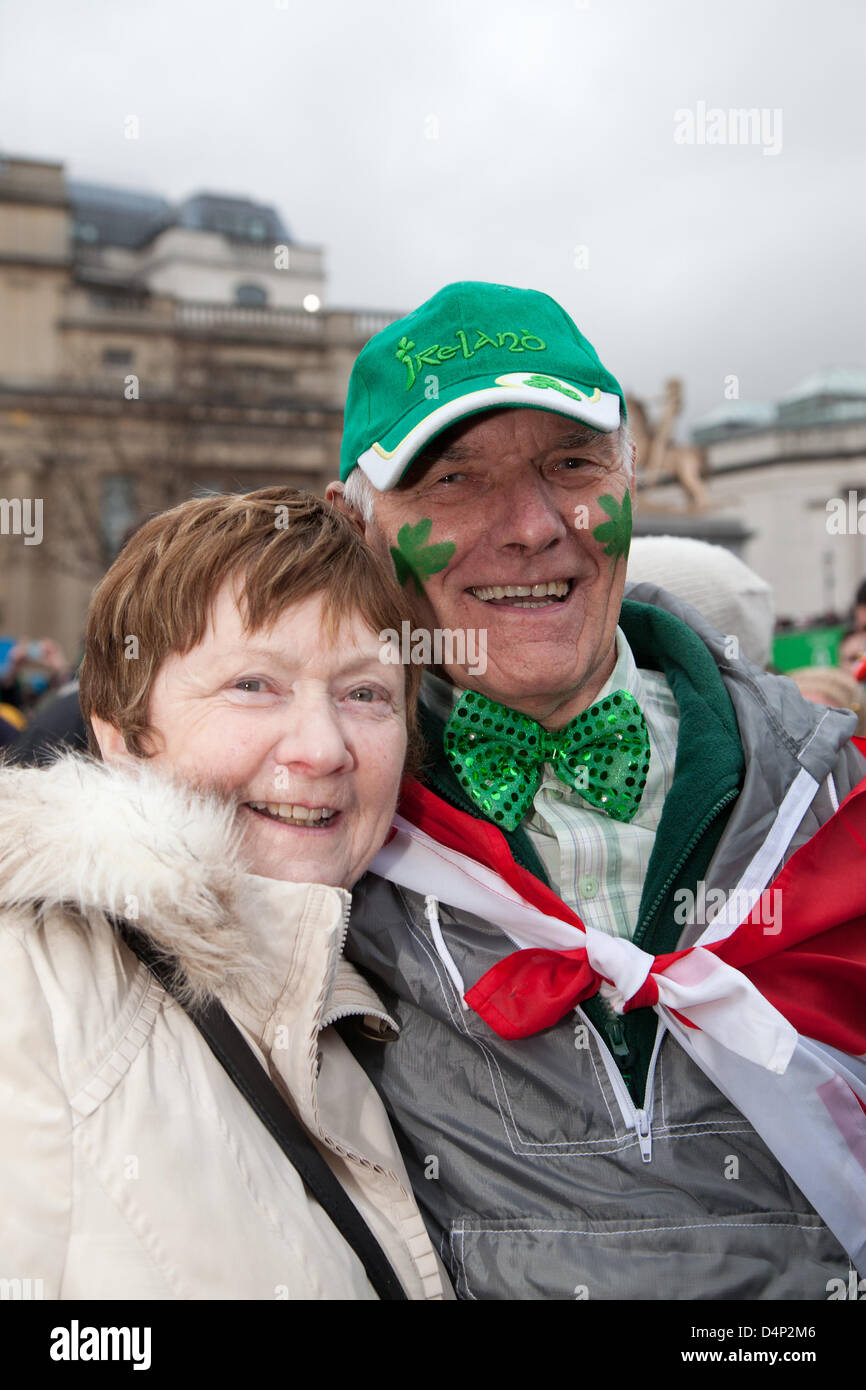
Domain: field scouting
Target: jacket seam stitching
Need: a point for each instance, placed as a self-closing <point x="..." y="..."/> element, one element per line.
<point x="150" y="1003"/>
<point x="802" y="1221"/>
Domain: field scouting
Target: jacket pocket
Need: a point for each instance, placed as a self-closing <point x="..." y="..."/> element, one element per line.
<point x="756" y="1255"/>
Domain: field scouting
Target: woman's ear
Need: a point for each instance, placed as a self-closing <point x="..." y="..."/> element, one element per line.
<point x="112" y="744"/>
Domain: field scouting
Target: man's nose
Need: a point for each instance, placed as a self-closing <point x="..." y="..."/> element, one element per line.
<point x="527" y="516"/>
<point x="312" y="741"/>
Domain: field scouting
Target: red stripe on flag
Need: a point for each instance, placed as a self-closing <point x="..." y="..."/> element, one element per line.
<point x="813" y="970"/>
<point x="481" y="841"/>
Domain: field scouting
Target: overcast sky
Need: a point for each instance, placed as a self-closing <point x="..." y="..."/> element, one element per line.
<point x="529" y="143"/>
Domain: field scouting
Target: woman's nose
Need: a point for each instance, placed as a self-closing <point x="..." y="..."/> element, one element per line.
<point x="313" y="740"/>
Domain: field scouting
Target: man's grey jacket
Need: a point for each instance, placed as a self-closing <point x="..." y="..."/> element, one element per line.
<point x="596" y="1160"/>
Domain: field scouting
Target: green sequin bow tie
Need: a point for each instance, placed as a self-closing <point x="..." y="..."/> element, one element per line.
<point x="499" y="755"/>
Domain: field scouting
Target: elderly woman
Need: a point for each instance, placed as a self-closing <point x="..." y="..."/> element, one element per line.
<point x="251" y="744"/>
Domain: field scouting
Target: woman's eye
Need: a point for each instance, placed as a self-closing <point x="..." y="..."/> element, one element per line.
<point x="253" y="685"/>
<point x="367" y="695"/>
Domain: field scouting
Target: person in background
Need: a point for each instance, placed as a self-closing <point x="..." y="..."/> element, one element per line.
<point x="56" y="724"/>
<point x="12" y="723"/>
<point x="852" y="651"/>
<point x="736" y="601"/>
<point x="826" y="685"/>
<point x="859" y="620"/>
<point x="32" y="670"/>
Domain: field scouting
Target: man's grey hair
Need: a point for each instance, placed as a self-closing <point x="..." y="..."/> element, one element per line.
<point x="360" y="495"/>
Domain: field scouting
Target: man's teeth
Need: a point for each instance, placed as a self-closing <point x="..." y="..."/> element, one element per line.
<point x="556" y="588"/>
<point x="295" y="815"/>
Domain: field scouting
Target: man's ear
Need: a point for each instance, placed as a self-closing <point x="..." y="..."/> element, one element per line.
<point x="112" y="744"/>
<point x="335" y="493"/>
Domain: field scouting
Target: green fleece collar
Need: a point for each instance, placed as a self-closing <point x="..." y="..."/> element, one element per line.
<point x="709" y="764"/>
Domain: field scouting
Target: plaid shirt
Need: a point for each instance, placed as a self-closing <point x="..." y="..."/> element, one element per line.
<point x="596" y="864"/>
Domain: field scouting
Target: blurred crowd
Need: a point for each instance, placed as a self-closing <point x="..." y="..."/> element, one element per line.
<point x="842" y="685"/>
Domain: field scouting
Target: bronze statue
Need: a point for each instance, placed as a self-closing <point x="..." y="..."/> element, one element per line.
<point x="658" y="457"/>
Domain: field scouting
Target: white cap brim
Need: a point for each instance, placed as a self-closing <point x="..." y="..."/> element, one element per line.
<point x="598" y="409"/>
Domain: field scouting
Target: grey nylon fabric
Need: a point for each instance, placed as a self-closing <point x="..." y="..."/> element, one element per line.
<point x="781" y="733"/>
<point x="529" y="1176"/>
<point x="530" y="1180"/>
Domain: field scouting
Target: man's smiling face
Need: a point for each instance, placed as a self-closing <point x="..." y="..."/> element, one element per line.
<point x="517" y="493"/>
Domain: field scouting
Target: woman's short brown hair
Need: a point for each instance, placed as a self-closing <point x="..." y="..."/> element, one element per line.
<point x="282" y="545"/>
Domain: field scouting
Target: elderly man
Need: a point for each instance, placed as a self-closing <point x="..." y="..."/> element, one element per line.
<point x="597" y="786"/>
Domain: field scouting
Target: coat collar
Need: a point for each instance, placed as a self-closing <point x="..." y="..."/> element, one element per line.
<point x="130" y="842"/>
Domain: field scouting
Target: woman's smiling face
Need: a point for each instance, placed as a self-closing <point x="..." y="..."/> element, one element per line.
<point x="305" y="731"/>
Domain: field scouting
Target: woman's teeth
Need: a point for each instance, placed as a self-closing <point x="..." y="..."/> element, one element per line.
<point x="294" y="815"/>
<point x="541" y="593"/>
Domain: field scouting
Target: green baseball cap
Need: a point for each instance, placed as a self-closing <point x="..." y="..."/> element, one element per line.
<point x="472" y="347"/>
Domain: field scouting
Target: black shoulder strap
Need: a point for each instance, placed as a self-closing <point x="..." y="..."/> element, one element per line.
<point x="232" y="1051"/>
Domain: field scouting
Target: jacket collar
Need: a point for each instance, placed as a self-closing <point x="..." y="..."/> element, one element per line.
<point x="131" y="842"/>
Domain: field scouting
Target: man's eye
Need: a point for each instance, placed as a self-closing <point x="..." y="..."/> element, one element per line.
<point x="449" y="478"/>
<point x="249" y="684"/>
<point x="573" y="465"/>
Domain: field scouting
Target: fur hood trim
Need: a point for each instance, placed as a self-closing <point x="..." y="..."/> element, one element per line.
<point x="131" y="842"/>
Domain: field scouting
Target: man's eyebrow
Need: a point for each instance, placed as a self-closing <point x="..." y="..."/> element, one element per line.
<point x="580" y="437"/>
<point x="429" y="458"/>
<point x="449" y="453"/>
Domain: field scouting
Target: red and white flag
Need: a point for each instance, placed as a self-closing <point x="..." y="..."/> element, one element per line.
<point x="775" y="1017"/>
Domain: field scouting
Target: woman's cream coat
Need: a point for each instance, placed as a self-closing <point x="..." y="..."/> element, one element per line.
<point x="130" y="1165"/>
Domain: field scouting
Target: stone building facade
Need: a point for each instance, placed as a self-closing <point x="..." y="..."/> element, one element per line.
<point x="148" y="351"/>
<point x="787" y="482"/>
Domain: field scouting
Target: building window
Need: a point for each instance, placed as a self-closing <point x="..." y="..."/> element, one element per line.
<point x="252" y="296"/>
<point x="116" y="357"/>
<point x="117" y="510"/>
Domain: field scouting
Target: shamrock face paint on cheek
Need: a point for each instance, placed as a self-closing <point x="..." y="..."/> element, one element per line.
<point x="616" y="532"/>
<point x="414" y="558"/>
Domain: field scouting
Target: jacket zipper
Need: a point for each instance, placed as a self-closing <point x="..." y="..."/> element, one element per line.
<point x="353" y="1009"/>
<point x="637" y="1118"/>
<point x="347" y="912"/>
